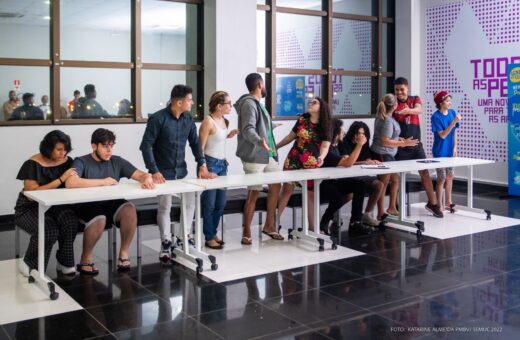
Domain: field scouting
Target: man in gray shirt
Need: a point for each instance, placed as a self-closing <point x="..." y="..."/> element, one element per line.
<point x="256" y="148"/>
<point x="101" y="168"/>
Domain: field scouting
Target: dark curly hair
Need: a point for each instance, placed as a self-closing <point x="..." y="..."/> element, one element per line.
<point x="354" y="128"/>
<point x="50" y="140"/>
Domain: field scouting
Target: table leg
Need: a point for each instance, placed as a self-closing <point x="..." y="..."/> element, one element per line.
<point x="193" y="255"/>
<point x="38" y="276"/>
<point x="470" y="186"/>
<point x="469" y="205"/>
<point x="305" y="234"/>
<point x="418" y="226"/>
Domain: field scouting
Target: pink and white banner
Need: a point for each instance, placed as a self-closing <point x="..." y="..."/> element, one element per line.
<point x="469" y="45"/>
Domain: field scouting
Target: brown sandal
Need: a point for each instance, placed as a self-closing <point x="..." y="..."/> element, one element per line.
<point x="246" y="241"/>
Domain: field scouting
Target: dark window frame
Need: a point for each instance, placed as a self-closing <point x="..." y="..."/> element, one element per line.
<point x="135" y="66"/>
<point x="327" y="71"/>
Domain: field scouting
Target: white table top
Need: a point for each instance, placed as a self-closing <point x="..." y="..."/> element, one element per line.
<point x="399" y="167"/>
<point x="234" y="181"/>
<point x="131" y="190"/>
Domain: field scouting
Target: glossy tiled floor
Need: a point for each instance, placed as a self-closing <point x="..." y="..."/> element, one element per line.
<point x="455" y="288"/>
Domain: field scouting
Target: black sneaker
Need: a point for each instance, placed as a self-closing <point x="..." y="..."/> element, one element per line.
<point x="434" y="209"/>
<point x="357" y="228"/>
<point x="324" y="228"/>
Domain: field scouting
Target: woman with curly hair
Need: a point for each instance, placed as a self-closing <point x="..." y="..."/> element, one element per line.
<point x="312" y="136"/>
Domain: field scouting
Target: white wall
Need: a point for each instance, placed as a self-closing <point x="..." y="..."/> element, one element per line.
<point x="230" y="54"/>
<point x="410" y="59"/>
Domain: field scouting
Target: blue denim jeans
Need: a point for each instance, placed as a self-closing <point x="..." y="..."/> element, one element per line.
<point x="213" y="201"/>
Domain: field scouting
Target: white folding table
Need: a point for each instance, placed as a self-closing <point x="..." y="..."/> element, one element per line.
<point x="234" y="181"/>
<point x="403" y="167"/>
<point x="52" y="197"/>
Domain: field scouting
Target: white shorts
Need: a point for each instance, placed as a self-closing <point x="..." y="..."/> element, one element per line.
<point x="255" y="168"/>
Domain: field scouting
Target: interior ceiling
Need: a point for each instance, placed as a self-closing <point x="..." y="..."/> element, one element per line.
<point x="114" y="15"/>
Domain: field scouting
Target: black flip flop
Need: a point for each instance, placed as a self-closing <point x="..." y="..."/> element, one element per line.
<point x="79" y="268"/>
<point x="121" y="267"/>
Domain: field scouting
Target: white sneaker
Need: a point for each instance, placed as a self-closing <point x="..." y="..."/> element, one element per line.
<point x="369" y="220"/>
<point x="23" y="268"/>
<point x="65" y="270"/>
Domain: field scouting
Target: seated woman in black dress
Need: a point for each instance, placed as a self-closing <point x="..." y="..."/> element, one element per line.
<point x="48" y="169"/>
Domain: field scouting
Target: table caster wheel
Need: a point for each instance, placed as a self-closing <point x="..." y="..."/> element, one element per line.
<point x="488" y="214"/>
<point x="321" y="248"/>
<point x="199" y="270"/>
<point x="334" y="246"/>
<point x="420" y="225"/>
<point x="419" y="235"/>
<point x="289" y="233"/>
<point x="214" y="266"/>
<point x="382" y="226"/>
<point x="54" y="296"/>
<point x="31" y="279"/>
<point x="452" y="208"/>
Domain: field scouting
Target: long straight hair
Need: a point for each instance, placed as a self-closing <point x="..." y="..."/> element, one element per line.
<point x="386" y="104"/>
<point x="325" y="119"/>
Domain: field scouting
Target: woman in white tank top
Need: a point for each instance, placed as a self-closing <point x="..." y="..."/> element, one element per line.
<point x="213" y="133"/>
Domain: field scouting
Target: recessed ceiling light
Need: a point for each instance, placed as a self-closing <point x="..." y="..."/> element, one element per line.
<point x="47" y="2"/>
<point x="47" y="17"/>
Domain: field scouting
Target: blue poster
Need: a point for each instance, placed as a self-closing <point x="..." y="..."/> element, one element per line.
<point x="290" y="96"/>
<point x="513" y="139"/>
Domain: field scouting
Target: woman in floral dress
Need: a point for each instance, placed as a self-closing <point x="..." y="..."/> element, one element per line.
<point x="312" y="136"/>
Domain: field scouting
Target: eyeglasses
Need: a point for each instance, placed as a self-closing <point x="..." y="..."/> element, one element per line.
<point x="313" y="102"/>
<point x="226" y="103"/>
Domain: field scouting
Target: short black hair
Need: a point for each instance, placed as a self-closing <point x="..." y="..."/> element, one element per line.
<point x="27" y="97"/>
<point x="401" y="81"/>
<point x="180" y="92"/>
<point x="252" y="81"/>
<point x="102" y="136"/>
<point x="50" y="140"/>
<point x="89" y="88"/>
<point x="76" y="92"/>
<point x="336" y="127"/>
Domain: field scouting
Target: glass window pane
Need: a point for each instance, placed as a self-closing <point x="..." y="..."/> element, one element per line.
<point x="388" y="54"/>
<point x="110" y="97"/>
<point x="25" y="29"/>
<point x="24" y="80"/>
<point x="292" y="91"/>
<point x="95" y="30"/>
<point x="169" y="32"/>
<point x="260" y="38"/>
<point x="389" y="8"/>
<point x="352" y="45"/>
<point x="354" y="95"/>
<point x="157" y="86"/>
<point x="304" y="4"/>
<point x="360" y="7"/>
<point x="388" y="85"/>
<point x="298" y="41"/>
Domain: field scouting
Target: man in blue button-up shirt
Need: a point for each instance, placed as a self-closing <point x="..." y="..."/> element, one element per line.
<point x="163" y="147"/>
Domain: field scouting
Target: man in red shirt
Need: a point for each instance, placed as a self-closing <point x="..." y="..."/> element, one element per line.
<point x="407" y="115"/>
